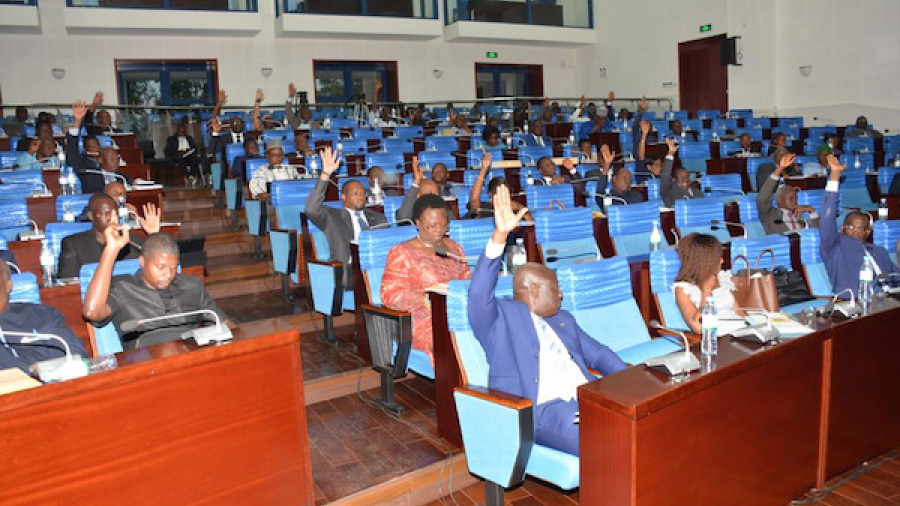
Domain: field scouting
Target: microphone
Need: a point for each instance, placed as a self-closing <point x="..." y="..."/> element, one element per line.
<point x="709" y="189"/>
<point x="678" y="363"/>
<point x="848" y="308"/>
<point x="57" y="369"/>
<point x="45" y="192"/>
<point x="715" y="225"/>
<point x="675" y="235"/>
<point x="34" y="235"/>
<point x="203" y="335"/>
<point x="578" y="252"/>
<point x="758" y="330"/>
<point x="106" y="173"/>
<point x="441" y="251"/>
<point x="14" y="267"/>
<point x="405" y="221"/>
<point x="800" y="220"/>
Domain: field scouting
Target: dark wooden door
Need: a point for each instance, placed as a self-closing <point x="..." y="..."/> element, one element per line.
<point x="703" y="80"/>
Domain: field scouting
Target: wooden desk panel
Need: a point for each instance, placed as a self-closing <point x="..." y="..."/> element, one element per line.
<point x="67" y="300"/>
<point x="172" y="425"/>
<point x="745" y="433"/>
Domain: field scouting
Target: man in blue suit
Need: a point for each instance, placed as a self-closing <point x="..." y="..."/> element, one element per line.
<point x="537" y="137"/>
<point x="533" y="349"/>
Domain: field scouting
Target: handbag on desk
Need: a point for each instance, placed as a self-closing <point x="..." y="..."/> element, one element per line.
<point x="755" y="287"/>
<point x="791" y="287"/>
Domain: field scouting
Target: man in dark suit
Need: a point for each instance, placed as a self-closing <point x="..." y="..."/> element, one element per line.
<point x="182" y="151"/>
<point x="83" y="163"/>
<point x="341" y="226"/>
<point x="533" y="349"/>
<point x="86" y="247"/>
<point x="101" y="124"/>
<point x="675" y="184"/>
<point x="536" y="137"/>
<point x="767" y="169"/>
<point x="621" y="192"/>
<point x="786" y="217"/>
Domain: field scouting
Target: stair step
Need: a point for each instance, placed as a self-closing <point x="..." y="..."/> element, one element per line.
<point x="239" y="287"/>
<point x="238" y="271"/>
<point x="187" y="215"/>
<point x="184" y="193"/>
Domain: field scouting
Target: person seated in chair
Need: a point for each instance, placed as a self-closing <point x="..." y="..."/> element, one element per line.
<point x="844" y="252"/>
<point x="819" y="168"/>
<point x="779" y="140"/>
<point x="547" y="170"/>
<point x="621" y="192"/>
<point x="701" y="277"/>
<point x="157" y="289"/>
<point x="376" y="174"/>
<point x="536" y="136"/>
<point x="99" y="123"/>
<point x="87" y="164"/>
<point x="181" y="150"/>
<point x="420" y="187"/>
<point x="341" y="226"/>
<point x="32" y="318"/>
<point x="861" y="129"/>
<point x="239" y="164"/>
<point x="787" y="217"/>
<point x="746" y="150"/>
<point x="16" y="126"/>
<point x="491" y="136"/>
<point x="274" y="171"/>
<point x="679" y="133"/>
<point x="440" y="175"/>
<point x="419" y="263"/>
<point x="86" y="247"/>
<point x="533" y="349"/>
<point x="675" y="185"/>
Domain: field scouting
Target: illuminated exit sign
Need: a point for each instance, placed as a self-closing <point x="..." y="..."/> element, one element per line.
<point x="492" y="54"/>
<point x="705" y="28"/>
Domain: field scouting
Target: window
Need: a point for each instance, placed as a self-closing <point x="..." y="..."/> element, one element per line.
<point x="498" y="80"/>
<point x="200" y="5"/>
<point x="346" y="81"/>
<point x="568" y="13"/>
<point x="155" y="83"/>
<point x="423" y="9"/>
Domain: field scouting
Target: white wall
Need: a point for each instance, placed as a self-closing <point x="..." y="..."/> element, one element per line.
<point x="26" y="61"/>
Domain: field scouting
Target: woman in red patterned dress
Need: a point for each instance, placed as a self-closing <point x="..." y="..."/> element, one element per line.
<point x="413" y="266"/>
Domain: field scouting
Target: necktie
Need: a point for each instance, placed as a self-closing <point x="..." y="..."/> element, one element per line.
<point x="239" y="138"/>
<point x="361" y="221"/>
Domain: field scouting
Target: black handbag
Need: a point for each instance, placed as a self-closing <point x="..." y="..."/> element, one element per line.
<point x="791" y="287"/>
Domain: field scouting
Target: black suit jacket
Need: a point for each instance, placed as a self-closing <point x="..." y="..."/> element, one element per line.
<point x="80" y="162"/>
<point x="336" y="225"/>
<point x="171" y="150"/>
<point x="83" y="248"/>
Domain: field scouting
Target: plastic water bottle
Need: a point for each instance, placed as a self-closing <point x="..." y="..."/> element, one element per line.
<point x="882" y="209"/>
<point x="326" y="123"/>
<point x="48" y="267"/>
<point x="509" y="142"/>
<point x="63" y="182"/>
<point x="655" y="237"/>
<point x="483" y="118"/>
<point x="856" y="163"/>
<point x="525" y="128"/>
<point x="572" y="140"/>
<point x="866" y="285"/>
<point x="529" y="179"/>
<point x="123" y="212"/>
<point x="377" y="196"/>
<point x="517" y="255"/>
<point x="340" y="148"/>
<point x="709" y="320"/>
<point x="68" y="215"/>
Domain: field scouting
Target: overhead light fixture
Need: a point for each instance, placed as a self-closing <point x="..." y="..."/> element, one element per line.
<point x="805" y="70"/>
<point x="58" y="73"/>
<point x="266" y="72"/>
<point x="438" y="73"/>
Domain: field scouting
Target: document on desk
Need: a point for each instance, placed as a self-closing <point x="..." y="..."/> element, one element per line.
<point x="787" y="326"/>
<point x="13" y="380"/>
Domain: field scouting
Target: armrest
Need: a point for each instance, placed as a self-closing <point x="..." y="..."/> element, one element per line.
<point x="325" y="263"/>
<point x="384" y="310"/>
<point x="496" y="396"/>
<point x="691" y="337"/>
<point x="325" y="281"/>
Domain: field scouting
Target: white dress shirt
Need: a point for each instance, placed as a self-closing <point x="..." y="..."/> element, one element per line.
<point x="560" y="376"/>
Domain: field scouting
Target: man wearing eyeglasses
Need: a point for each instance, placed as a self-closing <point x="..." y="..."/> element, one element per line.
<point x="844" y="252"/>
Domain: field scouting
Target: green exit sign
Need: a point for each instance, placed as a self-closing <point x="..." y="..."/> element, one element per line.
<point x="492" y="54"/>
<point x="705" y="28"/>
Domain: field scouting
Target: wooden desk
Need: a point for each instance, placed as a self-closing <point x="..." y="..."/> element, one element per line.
<point x="731" y="165"/>
<point x="806" y="183"/>
<point x="172" y="425"/>
<point x="762" y="428"/>
<point x="43" y="209"/>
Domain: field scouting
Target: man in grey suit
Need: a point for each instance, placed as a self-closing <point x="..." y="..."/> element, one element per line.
<point x="341" y="226"/>
<point x="787" y="216"/>
<point x="675" y="185"/>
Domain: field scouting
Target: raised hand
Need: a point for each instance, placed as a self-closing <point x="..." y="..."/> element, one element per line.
<point x="611" y="96"/>
<point x="645" y="128"/>
<point x="260" y="95"/>
<point x="330" y="161"/>
<point x="673" y="146"/>
<point x="222" y="97"/>
<point x="292" y="90"/>
<point x="582" y="101"/>
<point x="116" y="237"/>
<point x="378" y="85"/>
<point x="785" y="162"/>
<point x="216" y="125"/>
<point x="486" y="159"/>
<point x="79" y="110"/>
<point x="98" y="99"/>
<point x="644" y="104"/>
<point x="606" y="157"/>
<point x="505" y="220"/>
<point x="150" y="223"/>
<point x="836" y="167"/>
<point x="417" y="171"/>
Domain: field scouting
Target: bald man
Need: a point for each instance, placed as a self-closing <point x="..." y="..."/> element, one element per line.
<point x="36" y="318"/>
<point x="788" y="216"/>
<point x="420" y="186"/>
<point x="341" y="226"/>
<point x="533" y="349"/>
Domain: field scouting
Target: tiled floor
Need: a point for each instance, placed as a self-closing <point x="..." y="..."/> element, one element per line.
<point x="354" y="445"/>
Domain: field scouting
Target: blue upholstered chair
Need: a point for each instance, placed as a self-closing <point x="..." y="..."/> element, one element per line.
<point x="724" y="124"/>
<point x="54" y="233"/>
<point x="288" y="200"/>
<point x="886" y="176"/>
<point x="728" y="147"/>
<point x="13" y="217"/>
<point x="891" y="144"/>
<point x="408" y="132"/>
<point x="680" y="115"/>
<point x="694" y="155"/>
<point x="427" y="159"/>
<point x="233" y="151"/>
<point x="753" y="167"/>
<point x="447" y="144"/>
<point x="8" y="158"/>
<point x="599" y="292"/>
<point x="854" y="192"/>
<point x="859" y="144"/>
<point x="781" y="247"/>
<point x="790" y="133"/>
<point x="387" y="161"/>
<point x="498" y="435"/>
<point x="565" y="237"/>
<point x="886" y="233"/>
<point x="25" y="288"/>
<point x="547" y="197"/>
<point x="693" y="124"/>
<point x="813" y="265"/>
<point x="758" y="123"/>
<point x="818" y="133"/>
<point x="471" y="235"/>
<point x="353" y="146"/>
<point x="755" y="134"/>
<point x="105" y="339"/>
<point x="391" y="205"/>
<point x="709" y="114"/>
<point x="664" y="266"/>
<point x="76" y="205"/>
<point x="474" y="155"/>
<point x="740" y="113"/>
<point x="366" y="133"/>
<point x="630" y="226"/>
<point x="858" y="161"/>
<point x="529" y="155"/>
<point x="725" y="187"/>
<point x="750" y="216"/>
<point x="791" y="122"/>
<point x="697" y="216"/>
<point x="397" y="145"/>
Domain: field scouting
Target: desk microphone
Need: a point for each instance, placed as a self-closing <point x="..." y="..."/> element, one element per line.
<point x="405" y="221"/>
<point x="717" y="225"/>
<point x="578" y="252"/>
<point x="203" y="335"/>
<point x="34" y="235"/>
<point x="803" y="221"/>
<point x="850" y="309"/>
<point x="758" y="330"/>
<point x="677" y="363"/>
<point x="442" y="251"/>
<point x="709" y="189"/>
<point x="57" y="369"/>
<point x="106" y="173"/>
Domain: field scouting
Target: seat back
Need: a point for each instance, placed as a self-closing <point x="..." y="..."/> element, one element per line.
<point x="694" y="155"/>
<point x="859" y="144"/>
<point x="891" y="144"/>
<point x="13" y="217"/>
<point x="817" y="134"/>
<point x="859" y="161"/>
<point x="664" y="266"/>
<point x="752" y="247"/>
<point x="758" y="123"/>
<point x="8" y="158"/>
<point x="76" y="204"/>
<point x="353" y="146"/>
<point x="854" y="192"/>
<point x="374" y="246"/>
<point x="427" y="159"/>
<point x="447" y="144"/>
<point x="886" y="234"/>
<point x="397" y="145"/>
<point x="365" y="134"/>
<point x="565" y="236"/>
<point x="599" y="292"/>
<point x="106" y="338"/>
<point x="630" y="226"/>
<point x="681" y="115"/>
<point x="385" y="160"/>
<point x="471" y="235"/>
<point x="288" y="198"/>
<point x="724" y="124"/>
<point x="529" y="155"/>
<point x="790" y="133"/>
<point x="726" y="187"/>
<point x="696" y="216"/>
<point x="54" y="233"/>
<point x="25" y="288"/>
<point x="233" y="151"/>
<point x="753" y="167"/>
<point x="253" y="165"/>
<point x="708" y="114"/>
<point x="391" y="205"/>
<point x="693" y="124"/>
<point x="749" y="214"/>
<point x="547" y="197"/>
<point x="740" y="113"/>
<point x="755" y="134"/>
<point x="813" y="264"/>
<point x="791" y="122"/>
<point x="728" y="147"/>
<point x="886" y="176"/>
<point x="408" y="132"/>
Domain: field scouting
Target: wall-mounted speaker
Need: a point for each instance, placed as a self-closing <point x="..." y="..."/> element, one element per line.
<point x="731" y="51"/>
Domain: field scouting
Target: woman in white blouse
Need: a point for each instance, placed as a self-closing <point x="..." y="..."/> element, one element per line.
<point x="700" y="277"/>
